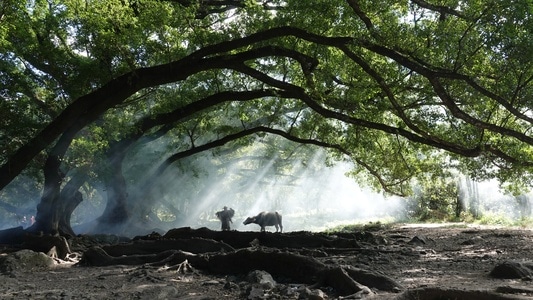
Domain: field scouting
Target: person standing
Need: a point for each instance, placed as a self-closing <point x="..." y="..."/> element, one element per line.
<point x="225" y="216"/>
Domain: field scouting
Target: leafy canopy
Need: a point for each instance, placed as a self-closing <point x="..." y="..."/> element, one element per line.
<point x="399" y="87"/>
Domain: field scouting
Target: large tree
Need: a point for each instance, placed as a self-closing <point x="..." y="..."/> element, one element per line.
<point x="396" y="87"/>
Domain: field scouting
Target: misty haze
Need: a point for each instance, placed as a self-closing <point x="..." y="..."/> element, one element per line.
<point x="311" y="196"/>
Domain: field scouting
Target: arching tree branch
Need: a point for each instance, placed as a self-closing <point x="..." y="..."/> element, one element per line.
<point x="299" y="93"/>
<point x="89" y="107"/>
<point x="443" y="10"/>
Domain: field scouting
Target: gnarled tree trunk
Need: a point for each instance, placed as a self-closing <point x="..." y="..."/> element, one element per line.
<point x="116" y="213"/>
<point x="47" y="217"/>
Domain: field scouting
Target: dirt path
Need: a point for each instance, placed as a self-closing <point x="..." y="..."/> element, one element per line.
<point x="460" y="257"/>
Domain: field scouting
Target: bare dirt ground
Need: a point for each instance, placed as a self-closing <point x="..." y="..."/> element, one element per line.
<point x="426" y="259"/>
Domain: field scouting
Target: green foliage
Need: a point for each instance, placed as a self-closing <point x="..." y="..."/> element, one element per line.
<point x="435" y="198"/>
<point x="87" y="149"/>
<point x="495" y="219"/>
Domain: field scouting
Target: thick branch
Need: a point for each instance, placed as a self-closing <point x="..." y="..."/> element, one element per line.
<point x="457" y="112"/>
<point x="390" y="95"/>
<point x="354" y="4"/>
<point x="427" y="71"/>
<point x="241" y="134"/>
<point x="187" y="111"/>
<point x="87" y="108"/>
<point x="208" y="7"/>
<point x="443" y="10"/>
<point x="299" y="93"/>
<point x="435" y="76"/>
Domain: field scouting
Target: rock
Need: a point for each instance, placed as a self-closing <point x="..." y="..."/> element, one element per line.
<point x="264" y="279"/>
<point x="473" y="241"/>
<point x="256" y="292"/>
<point x="261" y="282"/>
<point x="418" y="240"/>
<point x="25" y="261"/>
<point x="311" y="294"/>
<point x="513" y="270"/>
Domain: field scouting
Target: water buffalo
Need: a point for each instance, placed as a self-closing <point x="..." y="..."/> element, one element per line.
<point x="266" y="218"/>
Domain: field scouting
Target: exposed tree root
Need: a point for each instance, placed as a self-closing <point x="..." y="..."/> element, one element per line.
<point x="54" y="245"/>
<point x="282" y="264"/>
<point x="341" y="281"/>
<point x="194" y="245"/>
<point x="96" y="256"/>
<point x="243" y="239"/>
<point x="182" y="268"/>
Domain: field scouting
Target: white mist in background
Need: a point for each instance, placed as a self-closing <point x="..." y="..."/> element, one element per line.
<point x="331" y="198"/>
<point x="310" y="195"/>
<point x="309" y="198"/>
<point x="491" y="200"/>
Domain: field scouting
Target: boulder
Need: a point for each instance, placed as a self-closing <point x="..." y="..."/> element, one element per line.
<point x="262" y="278"/>
<point x="513" y="270"/>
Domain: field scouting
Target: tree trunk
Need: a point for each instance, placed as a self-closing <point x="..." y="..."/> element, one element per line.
<point x="49" y="210"/>
<point x="116" y="213"/>
<point x="460" y="200"/>
<point x="47" y="217"/>
<point x="524" y="205"/>
<point x="68" y="205"/>
<point x="69" y="199"/>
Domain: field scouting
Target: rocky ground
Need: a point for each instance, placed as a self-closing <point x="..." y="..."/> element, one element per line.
<point x="428" y="262"/>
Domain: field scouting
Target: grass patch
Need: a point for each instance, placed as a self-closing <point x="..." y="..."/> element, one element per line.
<point x="501" y="220"/>
<point x="526" y="222"/>
<point x="494" y="219"/>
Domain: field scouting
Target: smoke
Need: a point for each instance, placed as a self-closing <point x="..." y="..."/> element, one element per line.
<point x="18" y="202"/>
<point x="488" y="199"/>
<point x="310" y="194"/>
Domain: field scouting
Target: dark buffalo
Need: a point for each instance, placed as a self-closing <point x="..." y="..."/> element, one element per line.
<point x="266" y="218"/>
